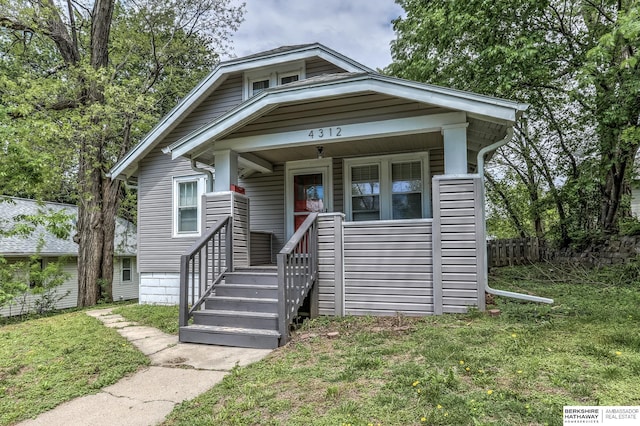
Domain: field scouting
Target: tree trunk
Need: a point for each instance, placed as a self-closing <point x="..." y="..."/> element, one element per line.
<point x="90" y="236"/>
<point x="110" y="201"/>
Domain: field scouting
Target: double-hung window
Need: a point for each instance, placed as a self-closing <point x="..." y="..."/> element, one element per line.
<point x="186" y="202"/>
<point x="126" y="269"/>
<point x="387" y="187"/>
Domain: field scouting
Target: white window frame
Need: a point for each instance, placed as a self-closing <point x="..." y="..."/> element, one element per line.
<point x="130" y="269"/>
<point x="201" y="180"/>
<point x="273" y="74"/>
<point x="384" y="163"/>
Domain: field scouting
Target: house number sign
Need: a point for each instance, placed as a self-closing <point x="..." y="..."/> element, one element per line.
<point x="325" y="132"/>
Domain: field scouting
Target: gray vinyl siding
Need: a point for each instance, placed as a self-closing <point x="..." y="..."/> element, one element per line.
<point x="330" y="271"/>
<point x="224" y="98"/>
<point x="261" y="251"/>
<point x="125" y="290"/>
<point x="457" y="260"/>
<point x="388" y="267"/>
<point x="158" y="250"/>
<point x="266" y="195"/>
<point x="69" y="287"/>
<point x="217" y="206"/>
<point x="315" y="67"/>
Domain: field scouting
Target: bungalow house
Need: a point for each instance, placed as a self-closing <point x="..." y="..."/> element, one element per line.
<point x="298" y="173"/>
<point x="47" y="248"/>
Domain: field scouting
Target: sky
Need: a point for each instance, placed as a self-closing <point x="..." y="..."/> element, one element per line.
<point x="359" y="29"/>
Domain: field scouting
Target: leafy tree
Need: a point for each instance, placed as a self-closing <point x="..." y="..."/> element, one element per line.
<point x="83" y="82"/>
<point x="575" y="62"/>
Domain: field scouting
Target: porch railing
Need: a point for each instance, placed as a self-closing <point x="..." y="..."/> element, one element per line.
<point x="297" y="272"/>
<point x="204" y="265"/>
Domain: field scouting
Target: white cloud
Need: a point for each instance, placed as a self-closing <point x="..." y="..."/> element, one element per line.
<point x="359" y="29"/>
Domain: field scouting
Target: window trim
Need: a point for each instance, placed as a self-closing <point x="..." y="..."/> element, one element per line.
<point x="384" y="163"/>
<point x="122" y="269"/>
<point x="177" y="180"/>
<point x="273" y="74"/>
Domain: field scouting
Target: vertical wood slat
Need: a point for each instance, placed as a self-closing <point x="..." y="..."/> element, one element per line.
<point x="514" y="251"/>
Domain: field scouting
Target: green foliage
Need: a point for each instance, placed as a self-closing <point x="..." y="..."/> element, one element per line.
<point x="519" y="368"/>
<point x="48" y="361"/>
<point x="164" y="318"/>
<point x="575" y="64"/>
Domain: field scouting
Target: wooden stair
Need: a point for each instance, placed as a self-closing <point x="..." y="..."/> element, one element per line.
<point x="243" y="312"/>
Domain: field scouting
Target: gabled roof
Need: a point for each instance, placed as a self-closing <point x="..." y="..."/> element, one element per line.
<point x="476" y="106"/>
<point x="43" y="242"/>
<point x="128" y="164"/>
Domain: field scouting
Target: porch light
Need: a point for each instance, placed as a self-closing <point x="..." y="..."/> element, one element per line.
<point x="320" y="152"/>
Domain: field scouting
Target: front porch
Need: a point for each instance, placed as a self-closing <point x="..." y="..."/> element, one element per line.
<point x="366" y="185"/>
<point x="422" y="266"/>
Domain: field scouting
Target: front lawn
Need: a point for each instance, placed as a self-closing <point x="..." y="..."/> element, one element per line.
<point x="519" y="368"/>
<point x="47" y="361"/>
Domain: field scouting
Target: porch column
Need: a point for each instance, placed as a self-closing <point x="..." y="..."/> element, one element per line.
<point x="226" y="170"/>
<point x="455" y="149"/>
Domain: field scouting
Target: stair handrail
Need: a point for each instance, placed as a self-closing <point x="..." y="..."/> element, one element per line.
<point x="297" y="272"/>
<point x="211" y="244"/>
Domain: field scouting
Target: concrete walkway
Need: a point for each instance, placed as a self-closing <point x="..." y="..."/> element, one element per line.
<point x="178" y="372"/>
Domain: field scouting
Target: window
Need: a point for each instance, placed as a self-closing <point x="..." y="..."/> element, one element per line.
<point x="365" y="192"/>
<point x="126" y="269"/>
<point x="259" y="86"/>
<point x="186" y="214"/>
<point x="289" y="78"/>
<point x="35" y="272"/>
<point x="406" y="190"/>
<point x="272" y="76"/>
<point x="388" y="187"/>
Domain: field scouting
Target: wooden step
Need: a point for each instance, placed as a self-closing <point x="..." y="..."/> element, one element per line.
<point x="245" y="304"/>
<point x="251" y="277"/>
<point x="230" y="336"/>
<point x="247" y="290"/>
<point x="222" y="318"/>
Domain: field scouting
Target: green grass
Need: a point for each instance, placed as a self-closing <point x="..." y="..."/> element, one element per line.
<point x="47" y="361"/>
<point x="164" y="318"/>
<point x="519" y="368"/>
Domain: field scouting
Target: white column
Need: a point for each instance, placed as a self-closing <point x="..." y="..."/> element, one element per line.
<point x="226" y="165"/>
<point x="455" y="148"/>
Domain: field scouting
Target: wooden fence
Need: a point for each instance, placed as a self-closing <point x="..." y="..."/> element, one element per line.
<point x="515" y="251"/>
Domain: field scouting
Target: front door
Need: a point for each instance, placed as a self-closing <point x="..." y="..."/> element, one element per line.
<point x="308" y="191"/>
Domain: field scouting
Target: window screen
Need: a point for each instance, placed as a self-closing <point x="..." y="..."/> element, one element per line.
<point x="365" y="192"/>
<point x="406" y="189"/>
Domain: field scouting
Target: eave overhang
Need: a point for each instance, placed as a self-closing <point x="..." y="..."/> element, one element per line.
<point x="464" y="104"/>
<point x="127" y="165"/>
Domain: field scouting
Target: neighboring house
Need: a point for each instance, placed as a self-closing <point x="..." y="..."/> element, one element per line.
<point x="49" y="248"/>
<point x="389" y="165"/>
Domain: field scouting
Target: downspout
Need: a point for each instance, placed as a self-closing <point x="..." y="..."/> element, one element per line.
<point x="205" y="171"/>
<point x="485" y="278"/>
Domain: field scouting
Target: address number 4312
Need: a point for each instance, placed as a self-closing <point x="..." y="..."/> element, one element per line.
<point x="327" y="132"/>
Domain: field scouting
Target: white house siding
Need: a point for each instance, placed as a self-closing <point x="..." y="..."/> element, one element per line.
<point x="70" y="285"/>
<point x="635" y="201"/>
<point x="388" y="267"/>
<point x="125" y="290"/>
<point x="457" y="255"/>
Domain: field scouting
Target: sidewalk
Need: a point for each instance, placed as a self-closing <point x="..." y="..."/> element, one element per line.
<point x="178" y="372"/>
